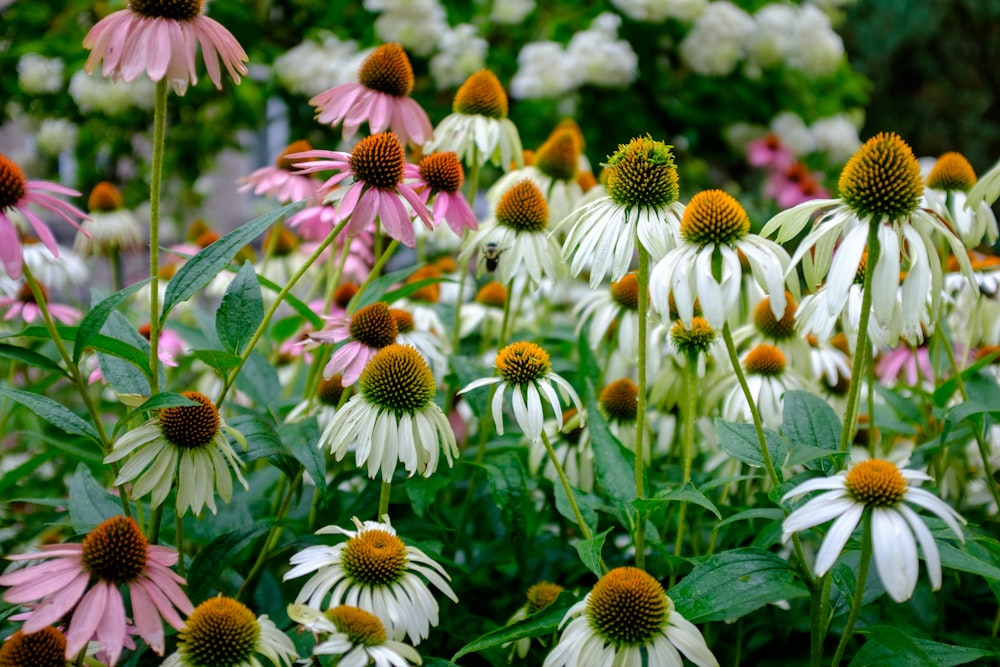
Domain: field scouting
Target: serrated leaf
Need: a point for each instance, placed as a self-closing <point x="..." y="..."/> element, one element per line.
<point x="543" y="622"/>
<point x="52" y="412"/>
<point x="89" y="502"/>
<point x="740" y="442"/>
<point x="590" y="552"/>
<point x="94" y="320"/>
<point x="241" y="310"/>
<point x="30" y="358"/>
<point x="198" y="271"/>
<point x="688" y="492"/>
<point x="212" y="560"/>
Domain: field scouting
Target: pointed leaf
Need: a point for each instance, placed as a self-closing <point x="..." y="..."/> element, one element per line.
<point x="29" y="357"/>
<point x="52" y="412"/>
<point x="89" y="502"/>
<point x="614" y="465"/>
<point x="686" y="493"/>
<point x="94" y="321"/>
<point x="740" y="442"/>
<point x="543" y="622"/>
<point x="241" y="310"/>
<point x="590" y="552"/>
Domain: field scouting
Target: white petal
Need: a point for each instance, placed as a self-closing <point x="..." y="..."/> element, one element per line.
<point x="837" y="537"/>
<point x="895" y="553"/>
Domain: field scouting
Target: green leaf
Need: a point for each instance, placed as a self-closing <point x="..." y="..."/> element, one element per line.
<point x="378" y="288"/>
<point x="967" y="410"/>
<point x="123" y="376"/>
<point x="543" y="622"/>
<point x="200" y="269"/>
<point x="94" y="321"/>
<point x="241" y="310"/>
<point x="614" y="465"/>
<point x="771" y="514"/>
<point x="800" y="454"/>
<point x="409" y="288"/>
<point x="733" y="584"/>
<point x="258" y="379"/>
<point x="947" y="388"/>
<point x="89" y="502"/>
<point x="740" y="442"/>
<point x="905" y="407"/>
<point x="52" y="412"/>
<point x="957" y="559"/>
<point x="508" y="483"/>
<point x="466" y="370"/>
<point x="212" y="560"/>
<point x="887" y="646"/>
<point x="166" y="399"/>
<point x="16" y="476"/>
<point x="685" y="493"/>
<point x="590" y="367"/>
<point x="300" y="441"/>
<point x="590" y="552"/>
<point x="297" y="304"/>
<point x="423" y="491"/>
<point x="98" y="342"/>
<point x="587" y="503"/>
<point x="809" y="420"/>
<point x="29" y="357"/>
<point x="218" y="359"/>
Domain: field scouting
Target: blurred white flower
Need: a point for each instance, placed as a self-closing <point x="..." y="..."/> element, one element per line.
<point x="97" y="94"/>
<point x="793" y="133"/>
<point x="773" y="39"/>
<point x="837" y="136"/>
<point x="55" y="135"/>
<point x="657" y="11"/>
<point x="418" y="25"/>
<point x="37" y="74"/>
<point x="601" y="58"/>
<point x="461" y="52"/>
<point x="544" y="69"/>
<point x="312" y="67"/>
<point x="816" y="48"/>
<point x="511" y="12"/>
<point x="719" y="39"/>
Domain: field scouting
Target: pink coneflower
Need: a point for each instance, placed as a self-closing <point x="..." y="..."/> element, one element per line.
<point x="770" y="153"/>
<point x="280" y="181"/>
<point x="16" y="194"/>
<point x="794" y="185"/>
<point x="86" y="579"/>
<point x="367" y="331"/>
<point x="161" y="38"/>
<point x="911" y="365"/>
<point x="378" y="166"/>
<point x="381" y="97"/>
<point x="441" y="177"/>
<point x="24" y="304"/>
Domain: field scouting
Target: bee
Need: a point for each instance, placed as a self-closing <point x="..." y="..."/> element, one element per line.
<point x="491" y="256"/>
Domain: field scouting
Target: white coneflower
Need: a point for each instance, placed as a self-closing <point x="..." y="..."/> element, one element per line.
<point x="223" y="632"/>
<point x="526" y="370"/>
<point x="628" y="620"/>
<point x="375" y="571"/>
<point x="186" y="443"/>
<point x="111" y="226"/>
<point x="617" y="306"/>
<point x="485" y="312"/>
<point x="355" y="635"/>
<point x="706" y="265"/>
<point x="948" y="184"/>
<point x="768" y="377"/>
<point x="540" y="596"/>
<point x="641" y="207"/>
<point x="883" y="490"/>
<point x="323" y="406"/>
<point x="393" y="418"/>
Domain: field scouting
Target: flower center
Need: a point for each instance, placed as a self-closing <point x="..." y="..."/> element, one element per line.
<point x="378" y="161"/>
<point x="45" y="648"/>
<point x="220" y="632"/>
<point x="492" y="294"/>
<point x="643" y="173"/>
<point x="627" y="607"/>
<point x="361" y="628"/>
<point x="714" y="217"/>
<point x="177" y="10"/>
<point x="12" y="183"/>
<point x="882" y="180"/>
<point x="620" y="400"/>
<point x="442" y="171"/>
<point x="541" y="595"/>
<point x="481" y="95"/>
<point x="695" y="340"/>
<point x="344" y="293"/>
<point x="952" y="172"/>
<point x="285" y="163"/>
<point x="626" y="291"/>
<point x="672" y="305"/>
<point x="116" y="551"/>
<point x="523" y="362"/>
<point x="281" y="240"/>
<point x="431" y="292"/>
<point x="104" y="198"/>
<point x="375" y="558"/>
<point x="764" y="360"/>
<point x="446" y="264"/>
<point x="572" y="426"/>
<point x="559" y="156"/>
<point x="206" y="238"/>
<point x="330" y="391"/>
<point x="398" y="379"/>
<point x="387" y="70"/>
<point x="876" y="483"/>
<point x="523" y="208"/>
<point x="769" y="325"/>
<point x="404" y="321"/>
<point x="25" y="295"/>
<point x="374" y="326"/>
<point x="190" y="426"/>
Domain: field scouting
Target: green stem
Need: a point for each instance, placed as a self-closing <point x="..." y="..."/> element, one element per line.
<point x="689" y="408"/>
<point x="115" y="266"/>
<point x="872" y="431"/>
<point x="859" y="589"/>
<point x="857" y="371"/>
<point x="156" y="175"/>
<point x="336" y="273"/>
<point x="377" y="269"/>
<point x="820" y="599"/>
<point x="262" y="327"/>
<point x="153" y="530"/>
<point x="272" y="536"/>
<point x="383" y="500"/>
<point x="640" y="418"/>
<point x="179" y="527"/>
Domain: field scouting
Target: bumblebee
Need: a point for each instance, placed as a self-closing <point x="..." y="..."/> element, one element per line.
<point x="491" y="256"/>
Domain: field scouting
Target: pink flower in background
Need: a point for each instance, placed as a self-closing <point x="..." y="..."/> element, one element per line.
<point x="280" y="181"/>
<point x="794" y="185"/>
<point x="441" y="177"/>
<point x="161" y="38"/>
<point x="382" y="98"/>
<point x="905" y="364"/>
<point x="770" y="153"/>
<point x="367" y="331"/>
<point x="24" y="304"/>
<point x="378" y="166"/>
<point x="171" y="346"/>
<point x="85" y="579"/>
<point x="16" y="194"/>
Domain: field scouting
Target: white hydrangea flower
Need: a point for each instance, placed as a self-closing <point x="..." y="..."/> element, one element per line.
<point x="37" y="74"/>
<point x="97" y="94"/>
<point x="773" y="38"/>
<point x="511" y="12"/>
<point x="544" y="69"/>
<point x="837" y="136"/>
<point x="793" y="133"/>
<point x="312" y="67"/>
<point x="462" y="51"/>
<point x="657" y="11"/>
<point x="418" y="25"/>
<point x="816" y="48"/>
<point x="718" y="40"/>
<point x="600" y="57"/>
<point x="55" y="135"/>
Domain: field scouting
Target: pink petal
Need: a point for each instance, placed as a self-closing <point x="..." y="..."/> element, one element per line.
<point x="396" y="220"/>
<point x="147" y="619"/>
<point x="163" y="556"/>
<point x="10" y="247"/>
<point x="86" y="618"/>
<point x="164" y="606"/>
<point x="166" y="582"/>
<point x="34" y="583"/>
<point x="381" y="111"/>
<point x="111" y="630"/>
<point x="54" y="607"/>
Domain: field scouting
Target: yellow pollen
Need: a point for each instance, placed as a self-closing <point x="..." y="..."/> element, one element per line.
<point x="375" y="558"/>
<point x="674" y="313"/>
<point x="191" y="426"/>
<point x="859" y="275"/>
<point x="286" y="163"/>
<point x="559" y="156"/>
<point x="714" y="217"/>
<point x="523" y="208"/>
<point x="876" y="483"/>
<point x="481" y="95"/>
<point x="104" y="198"/>
<point x="115" y="551"/>
<point x="523" y="362"/>
<point x="952" y="172"/>
<point x="330" y="391"/>
<point x="45" y="648"/>
<point x="428" y="293"/>
<point x="642" y="173"/>
<point x="764" y="360"/>
<point x="628" y="607"/>
<point x="626" y="291"/>
<point x="620" y="400"/>
<point x="696" y="340"/>
<point x="882" y="180"/>
<point x="839" y="341"/>
<point x="771" y="327"/>
<point x="541" y="595"/>
<point x="378" y="161"/>
<point x="177" y="10"/>
<point x="398" y="379"/>
<point x="374" y="326"/>
<point x="220" y="632"/>
<point x="442" y="171"/>
<point x="492" y="294"/>
<point x="574" y="127"/>
<point x="361" y="627"/>
<point x="13" y="184"/>
<point x="387" y="70"/>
